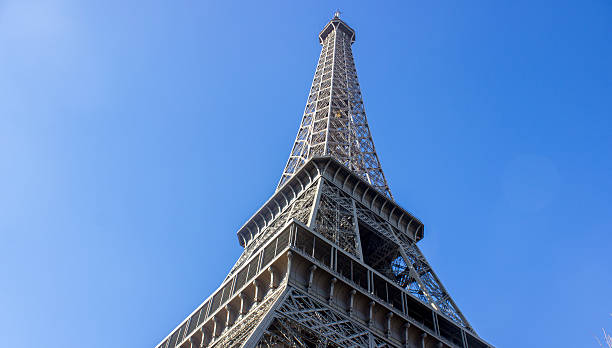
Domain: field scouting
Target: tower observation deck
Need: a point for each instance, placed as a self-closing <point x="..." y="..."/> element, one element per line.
<point x="330" y="260"/>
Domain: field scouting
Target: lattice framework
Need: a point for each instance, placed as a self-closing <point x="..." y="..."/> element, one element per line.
<point x="409" y="267"/>
<point x="337" y="211"/>
<point x="334" y="121"/>
<point x="301" y="317"/>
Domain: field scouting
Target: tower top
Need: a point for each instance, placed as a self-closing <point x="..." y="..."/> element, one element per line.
<point x="336" y="24"/>
<point x="334" y="122"/>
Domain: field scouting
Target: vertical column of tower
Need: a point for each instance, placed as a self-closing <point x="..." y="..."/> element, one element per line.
<point x="334" y="121"/>
<point x="339" y="139"/>
<point x="366" y="161"/>
<point x="301" y="150"/>
<point x="319" y="134"/>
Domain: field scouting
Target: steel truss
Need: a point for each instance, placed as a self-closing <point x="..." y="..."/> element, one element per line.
<point x="302" y="321"/>
<point x="285" y="333"/>
<point x="350" y="214"/>
<point x="406" y="265"/>
<point x="336" y="220"/>
<point x="297" y="319"/>
<point x="334" y="121"/>
<point x="300" y="210"/>
<point x="248" y="325"/>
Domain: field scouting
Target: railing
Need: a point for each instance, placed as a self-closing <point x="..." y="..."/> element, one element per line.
<point x="313" y="245"/>
<point x="351" y="270"/>
<point x="228" y="289"/>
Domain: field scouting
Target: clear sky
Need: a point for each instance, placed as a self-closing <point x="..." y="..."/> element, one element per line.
<point x="136" y="137"/>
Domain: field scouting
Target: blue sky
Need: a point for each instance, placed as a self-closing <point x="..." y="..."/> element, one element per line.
<point x="136" y="137"/>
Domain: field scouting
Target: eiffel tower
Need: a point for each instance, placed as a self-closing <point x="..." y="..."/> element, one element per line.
<point x="330" y="260"/>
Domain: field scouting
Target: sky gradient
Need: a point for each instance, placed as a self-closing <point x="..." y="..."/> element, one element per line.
<point x="137" y="137"/>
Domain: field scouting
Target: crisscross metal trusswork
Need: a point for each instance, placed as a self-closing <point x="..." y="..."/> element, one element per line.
<point x="412" y="269"/>
<point x="334" y="121"/>
<point x="299" y="210"/>
<point x="286" y="333"/>
<point x="398" y="257"/>
<point x="354" y="235"/>
<point x="335" y="219"/>
<point x="305" y="317"/>
<point x="245" y="327"/>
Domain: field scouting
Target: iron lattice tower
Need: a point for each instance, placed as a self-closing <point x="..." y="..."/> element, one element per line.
<point x="330" y="260"/>
<point x="334" y="122"/>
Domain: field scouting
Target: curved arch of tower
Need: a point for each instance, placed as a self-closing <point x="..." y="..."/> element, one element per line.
<point x="330" y="260"/>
